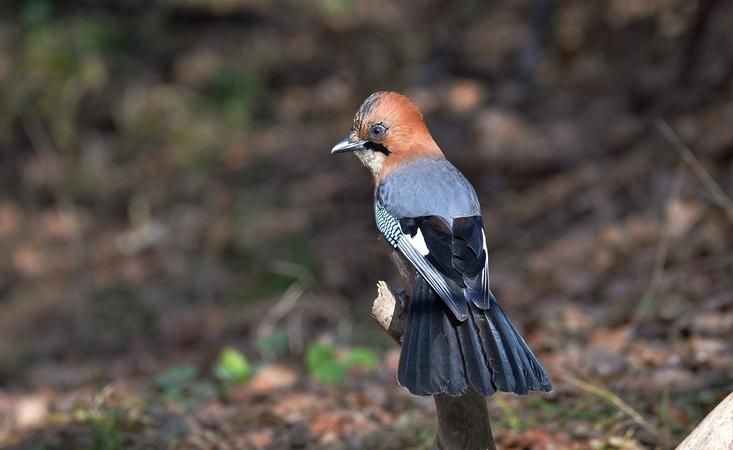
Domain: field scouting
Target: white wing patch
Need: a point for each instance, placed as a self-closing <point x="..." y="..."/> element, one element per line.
<point x="485" y="276"/>
<point x="418" y="241"/>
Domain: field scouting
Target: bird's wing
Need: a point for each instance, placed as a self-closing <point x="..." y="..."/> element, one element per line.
<point x="451" y="258"/>
<point x="471" y="258"/>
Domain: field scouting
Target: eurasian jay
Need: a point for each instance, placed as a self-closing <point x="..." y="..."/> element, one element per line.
<point x="456" y="336"/>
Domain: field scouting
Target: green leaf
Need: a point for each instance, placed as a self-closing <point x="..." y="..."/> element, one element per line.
<point x="231" y="365"/>
<point x="320" y="357"/>
<point x="330" y="371"/>
<point x="317" y="354"/>
<point x="325" y="365"/>
<point x="361" y="356"/>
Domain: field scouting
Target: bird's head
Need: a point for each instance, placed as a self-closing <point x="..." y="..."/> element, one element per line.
<point x="388" y="131"/>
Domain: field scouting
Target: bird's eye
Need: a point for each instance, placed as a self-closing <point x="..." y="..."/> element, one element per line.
<point x="377" y="131"/>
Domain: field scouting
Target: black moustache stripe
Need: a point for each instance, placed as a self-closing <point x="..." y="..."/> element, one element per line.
<point x="373" y="146"/>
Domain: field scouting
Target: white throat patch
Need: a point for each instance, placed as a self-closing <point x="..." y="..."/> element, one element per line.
<point x="372" y="160"/>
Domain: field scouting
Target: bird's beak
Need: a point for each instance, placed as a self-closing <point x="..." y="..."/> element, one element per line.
<point x="348" y="145"/>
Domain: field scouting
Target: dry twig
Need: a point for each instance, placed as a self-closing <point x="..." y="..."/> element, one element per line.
<point x="719" y="196"/>
<point x="287" y="302"/>
<point x="616" y="401"/>
<point x="660" y="258"/>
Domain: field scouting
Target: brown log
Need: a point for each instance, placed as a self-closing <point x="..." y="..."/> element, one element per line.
<point x="463" y="422"/>
<point x="715" y="432"/>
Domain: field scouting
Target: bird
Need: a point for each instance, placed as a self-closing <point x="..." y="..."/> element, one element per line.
<point x="457" y="337"/>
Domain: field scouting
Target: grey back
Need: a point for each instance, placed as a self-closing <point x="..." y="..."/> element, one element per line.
<point x="428" y="187"/>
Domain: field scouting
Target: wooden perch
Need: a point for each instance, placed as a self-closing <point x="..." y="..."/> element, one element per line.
<point x="463" y="422"/>
<point x="715" y="432"/>
<point x="388" y="312"/>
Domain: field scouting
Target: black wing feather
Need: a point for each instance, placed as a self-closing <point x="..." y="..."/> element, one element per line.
<point x="455" y="285"/>
<point x="458" y="253"/>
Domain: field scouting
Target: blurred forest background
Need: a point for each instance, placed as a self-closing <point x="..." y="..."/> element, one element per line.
<point x="185" y="266"/>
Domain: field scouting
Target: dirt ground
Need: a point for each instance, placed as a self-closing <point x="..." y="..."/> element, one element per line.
<point x="184" y="266"/>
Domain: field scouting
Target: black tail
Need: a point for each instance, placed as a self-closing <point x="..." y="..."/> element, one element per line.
<point x="441" y="355"/>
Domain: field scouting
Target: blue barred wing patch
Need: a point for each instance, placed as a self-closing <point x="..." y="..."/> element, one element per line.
<point x="387" y="225"/>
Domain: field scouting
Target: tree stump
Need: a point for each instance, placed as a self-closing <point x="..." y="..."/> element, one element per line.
<point x="463" y="422"/>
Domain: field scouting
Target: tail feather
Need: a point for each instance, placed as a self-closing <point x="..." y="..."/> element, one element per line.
<point x="495" y="349"/>
<point x="425" y="365"/>
<point x="443" y="344"/>
<point x="430" y="360"/>
<point x="529" y="375"/>
<point x="474" y="359"/>
<point x="441" y="355"/>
